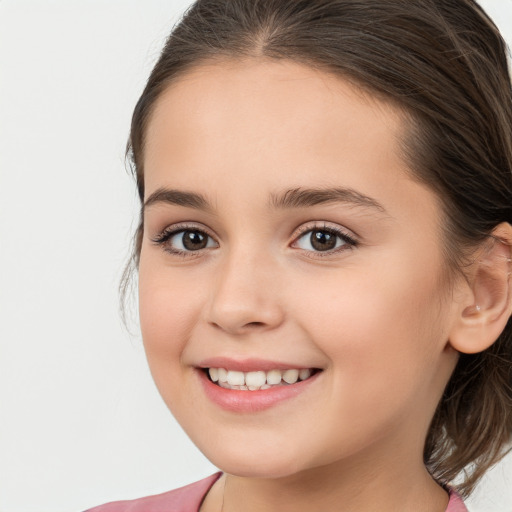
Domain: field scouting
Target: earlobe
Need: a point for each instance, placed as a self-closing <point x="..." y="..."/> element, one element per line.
<point x="488" y="304"/>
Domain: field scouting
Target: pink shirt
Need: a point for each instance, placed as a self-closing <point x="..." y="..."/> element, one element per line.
<point x="190" y="497"/>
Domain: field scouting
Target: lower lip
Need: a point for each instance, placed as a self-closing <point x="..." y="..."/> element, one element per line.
<point x="252" y="401"/>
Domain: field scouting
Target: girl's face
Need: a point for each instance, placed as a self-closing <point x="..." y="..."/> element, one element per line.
<point x="282" y="231"/>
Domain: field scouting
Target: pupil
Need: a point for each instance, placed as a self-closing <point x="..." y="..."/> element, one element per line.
<point x="193" y="240"/>
<point x="322" y="240"/>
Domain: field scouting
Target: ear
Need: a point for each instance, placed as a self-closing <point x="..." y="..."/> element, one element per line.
<point x="486" y="302"/>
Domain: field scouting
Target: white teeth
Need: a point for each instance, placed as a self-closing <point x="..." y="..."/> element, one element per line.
<point x="304" y="374"/>
<point x="236" y="378"/>
<point x="273" y="377"/>
<point x="222" y="374"/>
<point x="291" y="376"/>
<point x="255" y="379"/>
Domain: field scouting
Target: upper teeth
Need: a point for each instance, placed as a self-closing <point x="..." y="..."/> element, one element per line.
<point x="258" y="379"/>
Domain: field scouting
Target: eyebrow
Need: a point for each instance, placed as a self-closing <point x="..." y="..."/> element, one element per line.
<point x="179" y="198"/>
<point x="306" y="197"/>
<point x="288" y="199"/>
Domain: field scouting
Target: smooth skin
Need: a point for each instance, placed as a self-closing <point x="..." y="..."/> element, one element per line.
<point x="376" y="316"/>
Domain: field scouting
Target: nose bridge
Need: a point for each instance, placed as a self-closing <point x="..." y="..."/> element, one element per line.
<point x="245" y="294"/>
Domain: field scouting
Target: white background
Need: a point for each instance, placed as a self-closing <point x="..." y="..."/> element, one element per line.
<point x="81" y="422"/>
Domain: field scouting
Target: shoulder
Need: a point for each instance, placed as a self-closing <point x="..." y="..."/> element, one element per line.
<point x="456" y="504"/>
<point x="184" y="499"/>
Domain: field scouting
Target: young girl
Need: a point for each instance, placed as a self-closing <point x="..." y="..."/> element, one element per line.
<point x="324" y="251"/>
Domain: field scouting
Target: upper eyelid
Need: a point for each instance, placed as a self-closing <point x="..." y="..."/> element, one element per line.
<point x="185" y="226"/>
<point x="305" y="227"/>
<point x="301" y="228"/>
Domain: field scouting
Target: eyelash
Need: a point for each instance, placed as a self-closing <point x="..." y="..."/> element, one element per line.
<point x="349" y="242"/>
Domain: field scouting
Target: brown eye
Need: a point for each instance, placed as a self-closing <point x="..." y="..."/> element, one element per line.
<point x="322" y="240"/>
<point x="193" y="240"/>
<point x="184" y="241"/>
<point x="325" y="240"/>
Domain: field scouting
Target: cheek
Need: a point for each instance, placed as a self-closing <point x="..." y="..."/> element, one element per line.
<point x="378" y="328"/>
<point x="167" y="310"/>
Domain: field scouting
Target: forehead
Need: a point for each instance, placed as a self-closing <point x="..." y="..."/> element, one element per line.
<point x="249" y="109"/>
<point x="256" y="77"/>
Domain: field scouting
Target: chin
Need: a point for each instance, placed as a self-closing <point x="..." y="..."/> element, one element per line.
<point x="254" y="462"/>
<point x="259" y="470"/>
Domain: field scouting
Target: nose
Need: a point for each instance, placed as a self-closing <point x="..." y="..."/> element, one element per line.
<point x="246" y="294"/>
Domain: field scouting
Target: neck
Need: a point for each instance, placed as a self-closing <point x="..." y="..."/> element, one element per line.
<point x="331" y="490"/>
<point x="368" y="482"/>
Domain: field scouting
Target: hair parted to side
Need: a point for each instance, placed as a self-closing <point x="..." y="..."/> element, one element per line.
<point x="444" y="64"/>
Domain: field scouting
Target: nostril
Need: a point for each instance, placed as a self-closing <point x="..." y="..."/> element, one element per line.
<point x="255" y="324"/>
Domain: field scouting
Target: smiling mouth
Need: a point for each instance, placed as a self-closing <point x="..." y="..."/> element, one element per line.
<point x="258" y="380"/>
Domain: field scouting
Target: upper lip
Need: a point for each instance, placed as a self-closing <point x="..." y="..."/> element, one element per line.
<point x="249" y="364"/>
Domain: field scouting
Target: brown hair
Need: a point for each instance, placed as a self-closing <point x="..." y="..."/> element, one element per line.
<point x="444" y="63"/>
